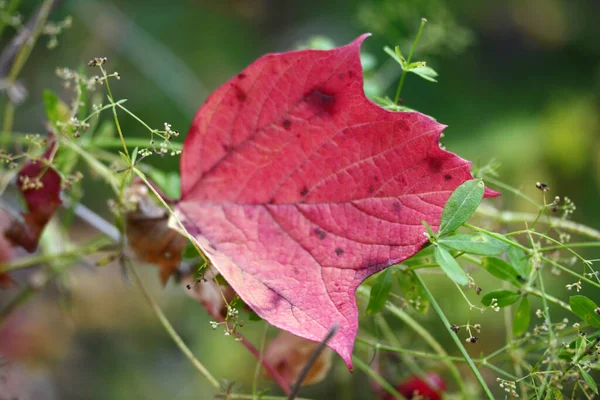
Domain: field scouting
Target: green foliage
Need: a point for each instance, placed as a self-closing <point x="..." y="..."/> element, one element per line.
<point x="476" y="243"/>
<point x="586" y="309"/>
<point x="450" y="266"/>
<point x="412" y="290"/>
<point x="502" y="298"/>
<point x="462" y="204"/>
<point x="380" y="291"/>
<point x="502" y="270"/>
<point x="522" y="317"/>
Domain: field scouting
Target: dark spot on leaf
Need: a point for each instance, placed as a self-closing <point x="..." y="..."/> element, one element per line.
<point x="287" y="124"/>
<point x="350" y="74"/>
<point x="304" y="191"/>
<point x="227" y="148"/>
<point x="396" y="205"/>
<point x="435" y="164"/>
<point x="447" y="177"/>
<point x="401" y="125"/>
<point x="320" y="233"/>
<point x="371" y="189"/>
<point x="320" y="101"/>
<point x="239" y="94"/>
<point x="342" y="75"/>
<point x="272" y="200"/>
<point x="241" y="76"/>
<point x="376" y="178"/>
<point x="339" y="251"/>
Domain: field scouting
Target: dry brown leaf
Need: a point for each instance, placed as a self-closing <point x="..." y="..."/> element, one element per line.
<point x="148" y="233"/>
<point x="288" y="354"/>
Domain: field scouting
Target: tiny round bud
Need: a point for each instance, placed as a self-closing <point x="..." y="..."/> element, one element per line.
<point x="597" y="310"/>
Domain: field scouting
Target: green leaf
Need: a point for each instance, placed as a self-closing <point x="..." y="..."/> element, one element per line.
<point x="426" y="73"/>
<point x="477" y="243"/>
<point x="579" y="347"/>
<point x="503" y="298"/>
<point x="450" y="266"/>
<point x="461" y="205"/>
<point x="522" y="318"/>
<point x="423" y="257"/>
<point x="412" y="290"/>
<point x="588" y="379"/>
<point x="134" y="154"/>
<point x="56" y="110"/>
<point x="585" y="309"/>
<point x="380" y="291"/>
<point x="502" y="270"/>
<point x="555" y="394"/>
<point x="519" y="260"/>
<point x="396" y="56"/>
<point x="124" y="158"/>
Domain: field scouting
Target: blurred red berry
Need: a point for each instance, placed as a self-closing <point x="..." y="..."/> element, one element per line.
<point x="417" y="388"/>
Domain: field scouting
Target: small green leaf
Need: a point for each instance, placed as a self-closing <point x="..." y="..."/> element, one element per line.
<point x="461" y="205"/>
<point x="477" y="243"/>
<point x="56" y="110"/>
<point x="556" y="394"/>
<point x="450" y="266"/>
<point x="399" y="53"/>
<point x="380" y="291"/>
<point x="502" y="270"/>
<point x="519" y="260"/>
<point x="585" y="309"/>
<point x="134" y="154"/>
<point x="426" y="73"/>
<point x="579" y="347"/>
<point x="412" y="290"/>
<point x="124" y="157"/>
<point x="588" y="379"/>
<point x="522" y="318"/>
<point x="503" y="298"/>
<point x="396" y="56"/>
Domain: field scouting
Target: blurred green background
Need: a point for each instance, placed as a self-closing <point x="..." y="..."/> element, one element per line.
<point x="519" y="81"/>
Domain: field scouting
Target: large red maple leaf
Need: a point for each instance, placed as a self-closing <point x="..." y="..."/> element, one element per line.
<point x="298" y="187"/>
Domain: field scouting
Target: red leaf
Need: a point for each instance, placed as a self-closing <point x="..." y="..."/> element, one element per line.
<point x="298" y="187"/>
<point x="416" y="388"/>
<point x="40" y="186"/>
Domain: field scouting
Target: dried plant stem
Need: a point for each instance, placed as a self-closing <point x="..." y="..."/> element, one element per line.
<point x="313" y="358"/>
<point x="512" y="217"/>
<point x="171" y="331"/>
<point x="459" y="344"/>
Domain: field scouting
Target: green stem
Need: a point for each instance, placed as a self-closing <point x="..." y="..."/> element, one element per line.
<point x="405" y="70"/>
<point x="171" y="331"/>
<point x="460" y="346"/>
<point x="114" y="110"/>
<point x="376" y="377"/>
